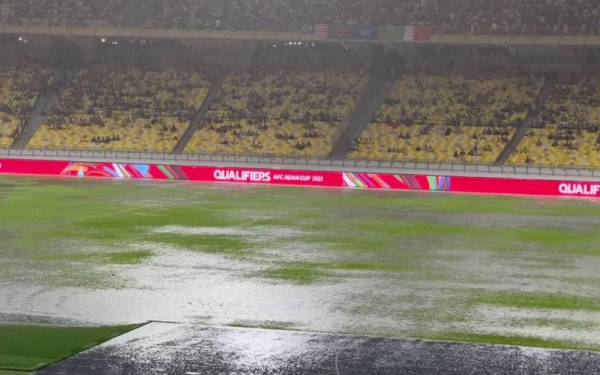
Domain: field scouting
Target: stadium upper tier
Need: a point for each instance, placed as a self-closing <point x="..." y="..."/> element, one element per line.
<point x="507" y="17"/>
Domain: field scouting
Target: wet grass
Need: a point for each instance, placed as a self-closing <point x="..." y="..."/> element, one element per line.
<point x="31" y="347"/>
<point x="125" y="257"/>
<point x="538" y="301"/>
<point x="534" y="342"/>
<point x="435" y="258"/>
<point x="305" y="273"/>
<point x="130" y="257"/>
<point x="296" y="273"/>
<point x="554" y="323"/>
<point x="14" y="372"/>
<point x="232" y="246"/>
<point x="372" y="266"/>
<point x="266" y="324"/>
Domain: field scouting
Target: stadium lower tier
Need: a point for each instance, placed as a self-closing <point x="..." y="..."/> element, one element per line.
<point x="322" y="179"/>
<point x="425" y="117"/>
<point x="271" y="137"/>
<point x="480" y="145"/>
<point x="8" y="129"/>
<point x="558" y="148"/>
<point x="118" y="134"/>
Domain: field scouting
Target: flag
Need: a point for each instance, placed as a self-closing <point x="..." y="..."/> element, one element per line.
<point x="391" y="33"/>
<point x="321" y="31"/>
<point x="340" y="32"/>
<point x="417" y="33"/>
<point x="364" y="32"/>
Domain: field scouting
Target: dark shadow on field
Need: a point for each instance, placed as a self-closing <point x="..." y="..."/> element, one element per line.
<point x="162" y="348"/>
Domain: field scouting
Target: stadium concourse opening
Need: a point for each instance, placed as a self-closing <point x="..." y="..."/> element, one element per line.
<point x="383" y="102"/>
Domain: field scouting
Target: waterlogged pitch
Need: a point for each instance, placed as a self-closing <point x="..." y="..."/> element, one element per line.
<point x="464" y="268"/>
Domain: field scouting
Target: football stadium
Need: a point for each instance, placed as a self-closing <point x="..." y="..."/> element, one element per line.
<point x="299" y="187"/>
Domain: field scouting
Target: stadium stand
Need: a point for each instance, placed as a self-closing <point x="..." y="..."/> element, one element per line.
<point x="567" y="131"/>
<point x="511" y="17"/>
<point x="124" y="108"/>
<point x="508" y="17"/>
<point x="302" y="101"/>
<point x="62" y="12"/>
<point x="448" y="118"/>
<point x="284" y="113"/>
<point x="19" y="88"/>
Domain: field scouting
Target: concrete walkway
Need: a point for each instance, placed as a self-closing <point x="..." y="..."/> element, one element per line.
<point x="168" y="348"/>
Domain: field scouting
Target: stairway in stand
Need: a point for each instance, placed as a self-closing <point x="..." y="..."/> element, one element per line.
<point x="196" y="122"/>
<point x="521" y="132"/>
<point x="44" y="105"/>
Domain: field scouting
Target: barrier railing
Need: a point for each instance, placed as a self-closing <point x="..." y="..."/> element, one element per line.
<point x="151" y="33"/>
<point x="295" y="162"/>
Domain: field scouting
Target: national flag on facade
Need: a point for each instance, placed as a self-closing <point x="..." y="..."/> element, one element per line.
<point x="391" y="33"/>
<point x="340" y="32"/>
<point x="321" y="31"/>
<point x="417" y="33"/>
<point x="368" y="32"/>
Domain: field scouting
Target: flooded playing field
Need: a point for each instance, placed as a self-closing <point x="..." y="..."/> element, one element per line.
<point x="457" y="268"/>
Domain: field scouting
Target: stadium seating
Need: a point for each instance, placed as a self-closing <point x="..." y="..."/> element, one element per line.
<point x="116" y="108"/>
<point x="19" y="88"/>
<point x="284" y="113"/>
<point x="508" y="17"/>
<point x="448" y="118"/>
<point x="427" y="117"/>
<point x="63" y="12"/>
<point x="567" y="133"/>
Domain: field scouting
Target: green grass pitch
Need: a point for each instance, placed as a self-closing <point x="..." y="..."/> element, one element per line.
<point x="25" y="348"/>
<point x="494" y="270"/>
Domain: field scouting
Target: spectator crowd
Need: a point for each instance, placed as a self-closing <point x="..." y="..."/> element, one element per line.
<point x="19" y="88"/>
<point x="448" y="118"/>
<point x="124" y="108"/>
<point x="503" y="17"/>
<point x="567" y="131"/>
<point x="428" y="117"/>
<point x="289" y="113"/>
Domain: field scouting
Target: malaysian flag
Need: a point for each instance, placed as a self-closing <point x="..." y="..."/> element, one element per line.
<point x="321" y="31"/>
